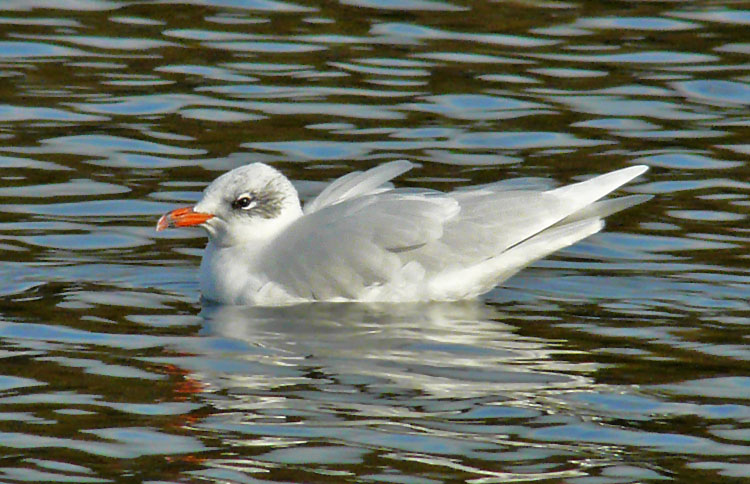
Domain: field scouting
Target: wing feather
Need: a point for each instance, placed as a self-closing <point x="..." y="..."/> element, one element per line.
<point x="341" y="249"/>
<point x="494" y="221"/>
<point x="479" y="278"/>
<point x="358" y="183"/>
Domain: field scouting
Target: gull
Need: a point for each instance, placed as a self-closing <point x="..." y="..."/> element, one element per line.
<point x="363" y="240"/>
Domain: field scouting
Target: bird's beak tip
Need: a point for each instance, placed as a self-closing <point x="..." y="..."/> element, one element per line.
<point x="163" y="223"/>
<point x="182" y="217"/>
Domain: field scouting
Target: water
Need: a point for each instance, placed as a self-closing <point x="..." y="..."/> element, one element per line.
<point x="623" y="359"/>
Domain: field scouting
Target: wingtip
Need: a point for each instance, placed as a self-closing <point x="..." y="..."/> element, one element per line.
<point x="404" y="164"/>
<point x="631" y="171"/>
<point x="641" y="169"/>
<point x="624" y="175"/>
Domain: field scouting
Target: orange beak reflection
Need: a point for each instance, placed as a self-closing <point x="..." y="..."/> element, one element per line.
<point x="182" y="217"/>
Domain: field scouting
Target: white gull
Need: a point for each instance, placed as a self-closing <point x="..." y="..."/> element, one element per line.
<point x="363" y="240"/>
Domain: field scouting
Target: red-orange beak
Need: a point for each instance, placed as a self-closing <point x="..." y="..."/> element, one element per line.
<point x="182" y="217"/>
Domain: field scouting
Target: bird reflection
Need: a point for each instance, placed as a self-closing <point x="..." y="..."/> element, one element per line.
<point x="436" y="349"/>
<point x="398" y="379"/>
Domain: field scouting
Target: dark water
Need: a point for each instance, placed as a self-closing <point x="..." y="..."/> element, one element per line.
<point x="623" y="359"/>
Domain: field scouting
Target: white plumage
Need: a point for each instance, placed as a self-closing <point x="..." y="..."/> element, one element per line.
<point x="362" y="240"/>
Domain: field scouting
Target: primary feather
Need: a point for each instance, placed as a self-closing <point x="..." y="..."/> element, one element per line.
<point x="362" y="240"/>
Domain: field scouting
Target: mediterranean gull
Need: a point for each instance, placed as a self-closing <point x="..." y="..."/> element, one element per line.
<point x="362" y="240"/>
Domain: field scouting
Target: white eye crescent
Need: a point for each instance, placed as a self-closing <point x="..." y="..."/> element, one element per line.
<point x="246" y="201"/>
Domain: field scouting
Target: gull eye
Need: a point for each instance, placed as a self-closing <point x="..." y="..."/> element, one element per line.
<point x="244" y="202"/>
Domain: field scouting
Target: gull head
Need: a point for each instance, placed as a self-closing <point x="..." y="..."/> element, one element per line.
<point x="250" y="204"/>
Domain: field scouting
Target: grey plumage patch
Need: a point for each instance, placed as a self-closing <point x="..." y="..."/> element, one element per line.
<point x="270" y="203"/>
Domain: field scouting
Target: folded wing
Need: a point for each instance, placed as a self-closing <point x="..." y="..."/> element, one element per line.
<point x="343" y="248"/>
<point x="357" y="235"/>
<point x="493" y="220"/>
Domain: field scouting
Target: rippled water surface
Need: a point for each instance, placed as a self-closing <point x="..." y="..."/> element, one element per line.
<point x="622" y="359"/>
